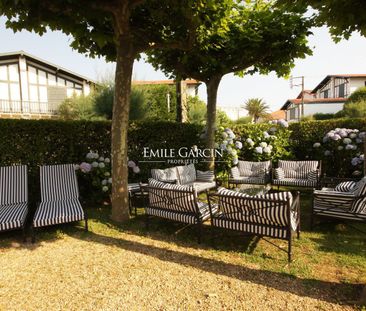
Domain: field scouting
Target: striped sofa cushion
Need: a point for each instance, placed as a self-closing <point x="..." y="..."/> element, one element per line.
<point x="186" y="174"/>
<point x="295" y="182"/>
<point x="338" y="212"/>
<point x="359" y="205"/>
<point x="58" y="212"/>
<point x="279" y="173"/>
<point x="13" y="216"/>
<point x="297" y="169"/>
<point x="331" y="199"/>
<point x="253" y="169"/>
<point x="169" y="175"/>
<point x="234" y="171"/>
<point x="205" y="176"/>
<point x="172" y="197"/>
<point x="248" y="180"/>
<point x="58" y="182"/>
<point x="13" y="184"/>
<point x="345" y="186"/>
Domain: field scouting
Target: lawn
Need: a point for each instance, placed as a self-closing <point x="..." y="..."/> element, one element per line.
<point x="126" y="267"/>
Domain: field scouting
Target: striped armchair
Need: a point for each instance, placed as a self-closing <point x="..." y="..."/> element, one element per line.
<point x="250" y="173"/>
<point x="13" y="198"/>
<point x="59" y="197"/>
<point x="186" y="175"/>
<point x="275" y="215"/>
<point x="297" y="173"/>
<point x="178" y="203"/>
<point x="346" y="201"/>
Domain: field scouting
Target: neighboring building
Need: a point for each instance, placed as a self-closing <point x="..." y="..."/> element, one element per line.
<point x="278" y="115"/>
<point x="233" y="112"/>
<point x="328" y="96"/>
<point x="190" y="86"/>
<point x="33" y="88"/>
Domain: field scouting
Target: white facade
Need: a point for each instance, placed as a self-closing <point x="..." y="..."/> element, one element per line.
<point x="328" y="96"/>
<point x="233" y="112"/>
<point x="31" y="86"/>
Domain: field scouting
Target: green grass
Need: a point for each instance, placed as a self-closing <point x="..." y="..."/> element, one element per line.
<point x="332" y="256"/>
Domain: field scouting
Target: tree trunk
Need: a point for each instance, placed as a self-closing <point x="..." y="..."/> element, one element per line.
<point x="212" y="87"/>
<point x="121" y="108"/>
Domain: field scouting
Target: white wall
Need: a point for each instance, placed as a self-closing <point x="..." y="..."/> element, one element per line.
<point x="355" y="83"/>
<point x="310" y="109"/>
<point x="233" y="112"/>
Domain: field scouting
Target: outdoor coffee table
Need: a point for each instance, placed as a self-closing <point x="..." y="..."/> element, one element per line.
<point x="253" y="189"/>
<point x="136" y="191"/>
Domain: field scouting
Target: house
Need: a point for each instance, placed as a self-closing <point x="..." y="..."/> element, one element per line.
<point x="328" y="96"/>
<point x="190" y="86"/>
<point x="34" y="88"/>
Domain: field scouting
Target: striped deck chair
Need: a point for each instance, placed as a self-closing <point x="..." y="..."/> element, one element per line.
<point x="275" y="215"/>
<point x="59" y="197"/>
<point x="176" y="202"/>
<point x="13" y="198"/>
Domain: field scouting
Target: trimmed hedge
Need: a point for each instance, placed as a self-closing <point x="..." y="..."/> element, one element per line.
<point x="39" y="142"/>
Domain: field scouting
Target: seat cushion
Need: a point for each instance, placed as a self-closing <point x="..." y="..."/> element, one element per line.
<point x="58" y="212"/>
<point x="295" y="182"/>
<point x="345" y="186"/>
<point x="201" y="186"/>
<point x="13" y="216"/>
<point x="248" y="180"/>
<point x="337" y="212"/>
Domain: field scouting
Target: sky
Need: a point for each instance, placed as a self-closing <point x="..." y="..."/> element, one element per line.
<point x="328" y="58"/>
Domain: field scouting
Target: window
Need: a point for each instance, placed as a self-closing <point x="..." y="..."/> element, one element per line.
<point x="9" y="82"/>
<point x="325" y="94"/>
<point x="340" y="87"/>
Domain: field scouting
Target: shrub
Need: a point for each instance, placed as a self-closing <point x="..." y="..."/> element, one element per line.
<point x="341" y="149"/>
<point x="197" y="110"/>
<point x="243" y="120"/>
<point x="355" y="109"/>
<point x="323" y="116"/>
<point x="358" y="95"/>
<point x="78" y="108"/>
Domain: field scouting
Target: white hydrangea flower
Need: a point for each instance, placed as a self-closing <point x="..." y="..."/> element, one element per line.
<point x="340" y="148"/>
<point x="105" y="188"/>
<point x="107" y="174"/>
<point x="104" y="182"/>
<point x="267" y="150"/>
<point x="263" y="144"/>
<point x="258" y="150"/>
<point x="107" y="160"/>
<point x="110" y="180"/>
<point x="316" y="145"/>
<point x="101" y="165"/>
<point x="347" y="141"/>
<point x="95" y="164"/>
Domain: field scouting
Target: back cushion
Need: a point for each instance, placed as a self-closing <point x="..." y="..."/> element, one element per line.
<point x="13" y="184"/>
<point x="58" y="182"/>
<point x="166" y="175"/>
<point x="171" y="197"/>
<point x="360" y="187"/>
<point x="297" y="169"/>
<point x="186" y="174"/>
<point x="253" y="169"/>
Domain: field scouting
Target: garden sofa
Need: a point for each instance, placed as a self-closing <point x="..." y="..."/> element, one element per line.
<point x="60" y="200"/>
<point x="176" y="202"/>
<point x="297" y="173"/>
<point x="13" y="197"/>
<point x="346" y="201"/>
<point x="275" y="215"/>
<point x="186" y="175"/>
<point x="250" y="173"/>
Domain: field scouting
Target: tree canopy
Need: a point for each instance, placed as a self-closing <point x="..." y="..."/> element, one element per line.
<point x="343" y="17"/>
<point x="119" y="30"/>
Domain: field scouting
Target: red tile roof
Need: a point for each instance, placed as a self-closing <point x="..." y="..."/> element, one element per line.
<point x="170" y="82"/>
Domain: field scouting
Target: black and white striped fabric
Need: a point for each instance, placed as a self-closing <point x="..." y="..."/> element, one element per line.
<point x="346" y="186"/>
<point x="176" y="202"/>
<point x="58" y="182"/>
<point x="253" y="169"/>
<point x="202" y="186"/>
<point x="279" y="173"/>
<point x="297" y="169"/>
<point x="359" y="205"/>
<point x="59" y="196"/>
<point x="207" y="176"/>
<point x="235" y="174"/>
<point x="313" y="175"/>
<point x="169" y="175"/>
<point x="295" y="182"/>
<point x="13" y="197"/>
<point x="263" y="215"/>
<point x="58" y="212"/>
<point x="247" y="180"/>
<point x="186" y="174"/>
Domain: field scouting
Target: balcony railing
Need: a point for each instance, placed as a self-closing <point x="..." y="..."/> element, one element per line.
<point x="27" y="107"/>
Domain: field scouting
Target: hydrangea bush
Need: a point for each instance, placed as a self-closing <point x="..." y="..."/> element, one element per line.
<point x="341" y="150"/>
<point x="97" y="168"/>
<point x="230" y="147"/>
<point x="266" y="142"/>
